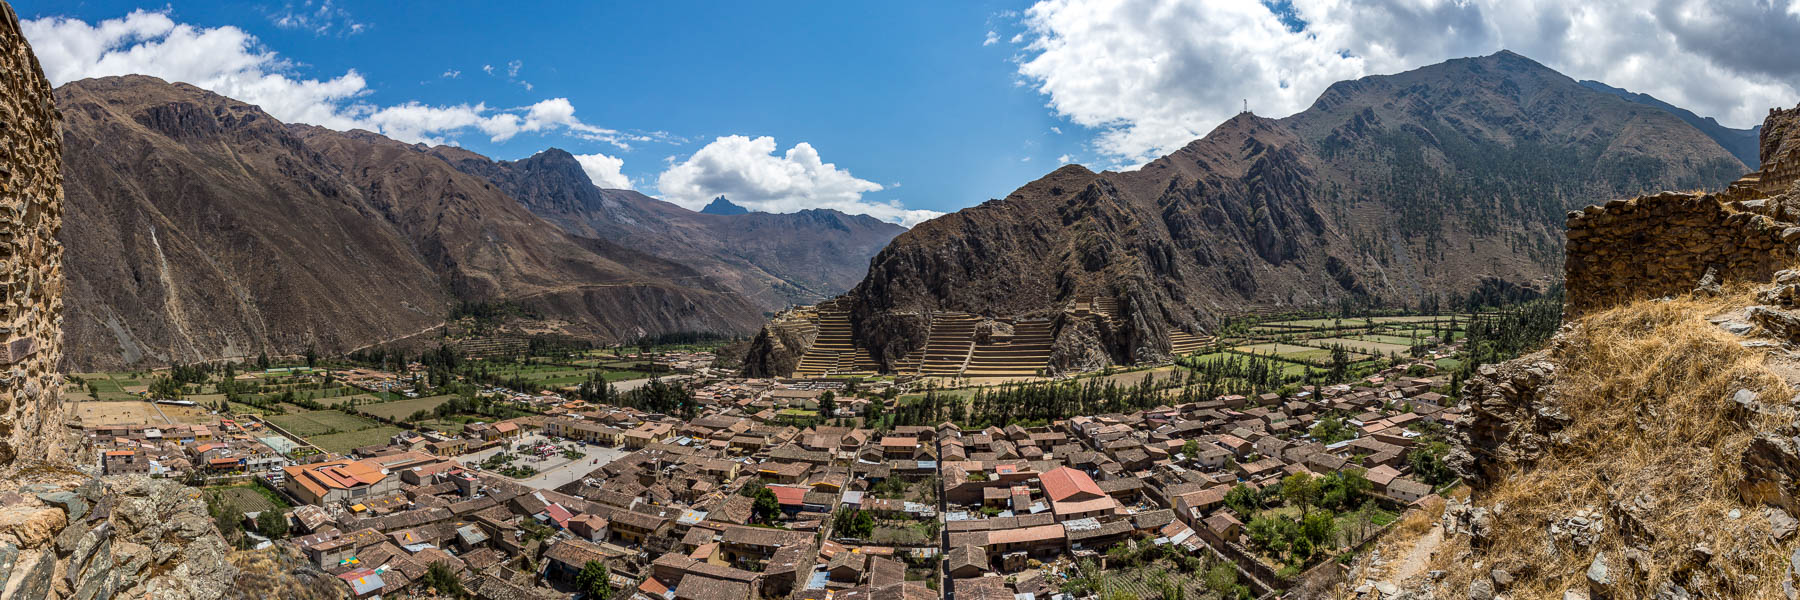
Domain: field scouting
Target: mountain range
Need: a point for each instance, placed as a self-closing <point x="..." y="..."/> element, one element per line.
<point x="199" y="227"/>
<point x="1389" y="190"/>
<point x="1742" y="143"/>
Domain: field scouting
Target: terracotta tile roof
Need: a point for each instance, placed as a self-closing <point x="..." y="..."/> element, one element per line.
<point x="1064" y="483"/>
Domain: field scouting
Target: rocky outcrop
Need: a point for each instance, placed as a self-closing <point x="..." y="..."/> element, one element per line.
<point x="124" y="537"/>
<point x="1512" y="414"/>
<point x="776" y="349"/>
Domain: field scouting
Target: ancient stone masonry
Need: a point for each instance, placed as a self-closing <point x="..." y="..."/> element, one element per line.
<point x="31" y="277"/>
<point x="1667" y="244"/>
<point x="1673" y="243"/>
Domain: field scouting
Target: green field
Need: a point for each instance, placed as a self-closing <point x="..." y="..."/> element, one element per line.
<point x="1287" y="352"/>
<point x="399" y="410"/>
<point x="342" y="443"/>
<point x="1388" y="338"/>
<point x="1364" y="346"/>
<point x="319" y="422"/>
<point x="111" y="386"/>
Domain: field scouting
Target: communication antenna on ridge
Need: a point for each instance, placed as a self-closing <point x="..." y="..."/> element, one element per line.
<point x="1246" y="105"/>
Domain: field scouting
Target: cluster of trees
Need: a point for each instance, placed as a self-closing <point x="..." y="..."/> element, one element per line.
<point x="1503" y="335"/>
<point x="1321" y="501"/>
<point x="594" y="582"/>
<point x="1332" y="429"/>
<point x="468" y="404"/>
<point x="1427" y="460"/>
<point x="851" y="522"/>
<point x="1030" y="403"/>
<point x="765" y="506"/>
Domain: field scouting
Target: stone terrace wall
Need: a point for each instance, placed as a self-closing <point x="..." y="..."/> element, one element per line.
<point x="1661" y="245"/>
<point x="31" y="278"/>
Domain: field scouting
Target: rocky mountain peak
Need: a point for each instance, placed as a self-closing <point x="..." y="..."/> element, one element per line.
<point x="721" y="206"/>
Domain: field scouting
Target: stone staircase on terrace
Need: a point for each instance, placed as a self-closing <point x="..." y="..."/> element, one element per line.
<point x="1023" y="354"/>
<point x="947" y="349"/>
<point x="1182" y="343"/>
<point x="833" y="352"/>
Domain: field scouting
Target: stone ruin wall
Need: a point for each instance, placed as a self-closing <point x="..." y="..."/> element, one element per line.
<point x="31" y="278"/>
<point x="1666" y="244"/>
<point x="1663" y="245"/>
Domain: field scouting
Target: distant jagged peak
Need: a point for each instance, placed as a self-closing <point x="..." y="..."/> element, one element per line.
<point x="722" y="206"/>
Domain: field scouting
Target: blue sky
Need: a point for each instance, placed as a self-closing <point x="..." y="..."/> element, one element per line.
<point x="900" y="110"/>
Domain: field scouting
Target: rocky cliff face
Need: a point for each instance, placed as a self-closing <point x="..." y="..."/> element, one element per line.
<point x="1388" y="189"/>
<point x="201" y="228"/>
<point x="773" y="260"/>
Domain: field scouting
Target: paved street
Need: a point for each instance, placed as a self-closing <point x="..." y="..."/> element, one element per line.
<point x="626" y="385"/>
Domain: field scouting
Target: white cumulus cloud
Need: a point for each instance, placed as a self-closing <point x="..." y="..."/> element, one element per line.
<point x="748" y="171"/>
<point x="1152" y="75"/>
<point x="604" y="171"/>
<point x="231" y="62"/>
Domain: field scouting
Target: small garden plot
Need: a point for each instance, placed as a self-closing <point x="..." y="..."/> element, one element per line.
<point x="248" y="498"/>
<point x="343" y="443"/>
<point x="320" y="422"/>
<point x="903" y="533"/>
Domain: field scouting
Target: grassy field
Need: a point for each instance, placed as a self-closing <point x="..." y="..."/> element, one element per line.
<point x="401" y="409"/>
<point x="342" y="443"/>
<point x="112" y="386"/>
<point x="1289" y="352"/>
<point x="320" y="422"/>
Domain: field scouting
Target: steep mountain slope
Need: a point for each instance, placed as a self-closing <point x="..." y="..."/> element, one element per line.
<point x="200" y="227"/>
<point x="1390" y="189"/>
<point x="775" y="260"/>
<point x="1741" y="143"/>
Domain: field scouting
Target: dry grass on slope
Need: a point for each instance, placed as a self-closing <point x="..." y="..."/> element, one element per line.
<point x="1648" y="388"/>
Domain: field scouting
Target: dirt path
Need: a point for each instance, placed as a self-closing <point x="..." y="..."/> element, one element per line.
<point x="1418" y="558"/>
